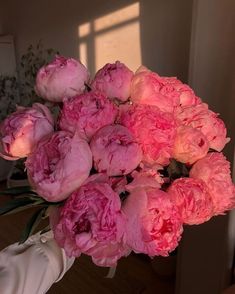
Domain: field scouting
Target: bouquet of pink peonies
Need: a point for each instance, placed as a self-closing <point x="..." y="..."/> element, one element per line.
<point x="129" y="160"/>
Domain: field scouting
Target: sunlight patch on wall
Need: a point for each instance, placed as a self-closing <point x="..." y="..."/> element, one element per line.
<point x="115" y="36"/>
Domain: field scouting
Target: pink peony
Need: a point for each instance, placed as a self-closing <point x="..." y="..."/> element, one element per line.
<point x="190" y="145"/>
<point x="214" y="170"/>
<point x="166" y="93"/>
<point x="153" y="129"/>
<point x="115" y="151"/>
<point x="21" y="131"/>
<point x="114" y="80"/>
<point x="154" y="225"/>
<point x="87" y="113"/>
<point x="64" y="77"/>
<point x="59" y="165"/>
<point x="91" y="222"/>
<point x="147" y="177"/>
<point x="193" y="199"/>
<point x="206" y="121"/>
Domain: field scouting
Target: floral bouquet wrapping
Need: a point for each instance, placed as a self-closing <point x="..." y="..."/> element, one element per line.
<point x="130" y="159"/>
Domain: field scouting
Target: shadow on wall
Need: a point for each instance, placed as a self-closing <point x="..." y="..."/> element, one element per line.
<point x="153" y="33"/>
<point x="114" y="36"/>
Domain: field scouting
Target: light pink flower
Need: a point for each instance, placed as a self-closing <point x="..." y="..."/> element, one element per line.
<point x="91" y="222"/>
<point x="115" y="150"/>
<point x="190" y="145"/>
<point x="206" y="121"/>
<point x="154" y="225"/>
<point x="59" y="165"/>
<point x="21" y="131"/>
<point x="214" y="170"/>
<point x="153" y="129"/>
<point x="63" y="77"/>
<point x="166" y="93"/>
<point x="114" y="80"/>
<point x="87" y="113"/>
<point x="193" y="199"/>
<point x="147" y="177"/>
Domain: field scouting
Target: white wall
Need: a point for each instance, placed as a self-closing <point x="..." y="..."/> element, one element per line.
<point x="165" y="28"/>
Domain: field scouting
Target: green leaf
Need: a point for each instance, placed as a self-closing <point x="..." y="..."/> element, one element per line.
<point x="17" y="191"/>
<point x="19" y="204"/>
<point x="32" y="224"/>
<point x="177" y="170"/>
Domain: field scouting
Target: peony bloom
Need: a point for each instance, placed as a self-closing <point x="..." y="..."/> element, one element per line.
<point x="153" y="130"/>
<point x="87" y="113"/>
<point x="64" y="77"/>
<point x="214" y="170"/>
<point x="59" y="165"/>
<point x="154" y="225"/>
<point x="166" y="93"/>
<point x="147" y="177"/>
<point x="190" y="145"/>
<point x="206" y="121"/>
<point x="21" y="131"/>
<point x="114" y="80"/>
<point x="91" y="222"/>
<point x="115" y="151"/>
<point x="193" y="199"/>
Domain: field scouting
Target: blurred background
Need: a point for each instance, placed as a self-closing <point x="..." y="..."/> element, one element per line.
<point x="191" y="39"/>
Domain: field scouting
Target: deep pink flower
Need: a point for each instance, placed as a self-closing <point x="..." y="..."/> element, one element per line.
<point x="154" y="224"/>
<point x="193" y="200"/>
<point x="87" y="113"/>
<point x="21" y="131"/>
<point x="63" y="77"/>
<point x="206" y="121"/>
<point x="91" y="222"/>
<point x="214" y="170"/>
<point x="115" y="150"/>
<point x="114" y="80"/>
<point x="153" y="129"/>
<point x="166" y="93"/>
<point x="59" y="165"/>
<point x="190" y="145"/>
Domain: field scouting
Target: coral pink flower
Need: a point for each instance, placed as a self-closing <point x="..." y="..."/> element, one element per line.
<point x="153" y="129"/>
<point x="166" y="93"/>
<point x="91" y="222"/>
<point x="193" y="199"/>
<point x="190" y="145"/>
<point x="154" y="224"/>
<point x="87" y="113"/>
<point x="214" y="170"/>
<point x="114" y="80"/>
<point x="115" y="151"/>
<point x="21" y="131"/>
<point x="64" y="77"/>
<point x="147" y="177"/>
<point x="206" y="121"/>
<point x="59" y="165"/>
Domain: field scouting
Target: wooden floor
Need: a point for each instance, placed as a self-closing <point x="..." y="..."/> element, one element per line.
<point x="134" y="274"/>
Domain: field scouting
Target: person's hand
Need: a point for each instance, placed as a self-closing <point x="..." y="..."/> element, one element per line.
<point x="32" y="268"/>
